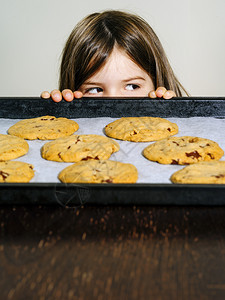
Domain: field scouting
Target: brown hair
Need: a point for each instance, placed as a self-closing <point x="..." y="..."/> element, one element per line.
<point x="92" y="41"/>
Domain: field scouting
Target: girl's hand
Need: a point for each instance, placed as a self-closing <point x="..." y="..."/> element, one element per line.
<point x="162" y="92"/>
<point x="57" y="96"/>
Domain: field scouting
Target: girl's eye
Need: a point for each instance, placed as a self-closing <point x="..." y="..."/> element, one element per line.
<point x="94" y="90"/>
<point x="131" y="87"/>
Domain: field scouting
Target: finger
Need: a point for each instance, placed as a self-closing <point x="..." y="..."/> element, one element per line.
<point x="45" y="95"/>
<point x="169" y="94"/>
<point x="56" y="96"/>
<point x="68" y="95"/>
<point x="160" y="91"/>
<point x="78" y="94"/>
<point x="152" y="94"/>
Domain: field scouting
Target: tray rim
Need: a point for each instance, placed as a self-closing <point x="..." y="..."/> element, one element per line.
<point x="89" y="107"/>
<point x="141" y="194"/>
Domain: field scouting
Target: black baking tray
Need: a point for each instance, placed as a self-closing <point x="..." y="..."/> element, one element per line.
<point x="112" y="194"/>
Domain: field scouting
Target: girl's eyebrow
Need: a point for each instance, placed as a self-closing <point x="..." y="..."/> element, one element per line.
<point x="125" y="80"/>
<point x="134" y="78"/>
<point x="91" y="83"/>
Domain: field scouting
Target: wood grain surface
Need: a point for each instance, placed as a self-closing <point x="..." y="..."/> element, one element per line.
<point x="112" y="252"/>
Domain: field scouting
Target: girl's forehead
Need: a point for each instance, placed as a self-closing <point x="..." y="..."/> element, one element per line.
<point x="121" y="60"/>
<point x="119" y="65"/>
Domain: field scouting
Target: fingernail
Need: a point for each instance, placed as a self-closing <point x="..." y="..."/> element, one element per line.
<point x="160" y="91"/>
<point x="152" y="94"/>
<point x="168" y="95"/>
<point x="56" y="96"/>
<point x="68" y="96"/>
<point x="78" y="94"/>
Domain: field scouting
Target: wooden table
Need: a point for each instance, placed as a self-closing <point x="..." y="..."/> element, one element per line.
<point x="87" y="252"/>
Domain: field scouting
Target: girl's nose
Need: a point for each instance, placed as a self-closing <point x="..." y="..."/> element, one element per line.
<point x="112" y="93"/>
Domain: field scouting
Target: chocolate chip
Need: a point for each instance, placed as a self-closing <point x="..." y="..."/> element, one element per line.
<point x="211" y="155"/>
<point x="176" y="143"/>
<point x="194" y="140"/>
<point x="89" y="157"/>
<point x="133" y="132"/>
<point x="203" y="146"/>
<point x="220" y="176"/>
<point x="193" y="154"/>
<point x="107" y="181"/>
<point x="44" y="119"/>
<point x="175" y="162"/>
<point x="78" y="140"/>
<point x="169" y="129"/>
<point x="4" y="175"/>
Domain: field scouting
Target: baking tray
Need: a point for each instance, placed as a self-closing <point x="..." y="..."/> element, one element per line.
<point x="112" y="194"/>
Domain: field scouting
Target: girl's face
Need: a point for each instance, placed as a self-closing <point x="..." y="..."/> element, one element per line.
<point x="119" y="76"/>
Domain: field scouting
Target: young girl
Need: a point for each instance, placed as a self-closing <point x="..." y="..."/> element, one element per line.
<point x="112" y="54"/>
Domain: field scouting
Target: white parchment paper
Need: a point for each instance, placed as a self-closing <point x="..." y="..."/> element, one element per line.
<point x="130" y="152"/>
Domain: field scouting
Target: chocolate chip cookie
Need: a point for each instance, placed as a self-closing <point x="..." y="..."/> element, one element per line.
<point x="43" y="128"/>
<point x="79" y="147"/>
<point x="201" y="173"/>
<point x="12" y="147"/>
<point x="16" y="171"/>
<point x="183" y="150"/>
<point x="99" y="171"/>
<point x="141" y="129"/>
